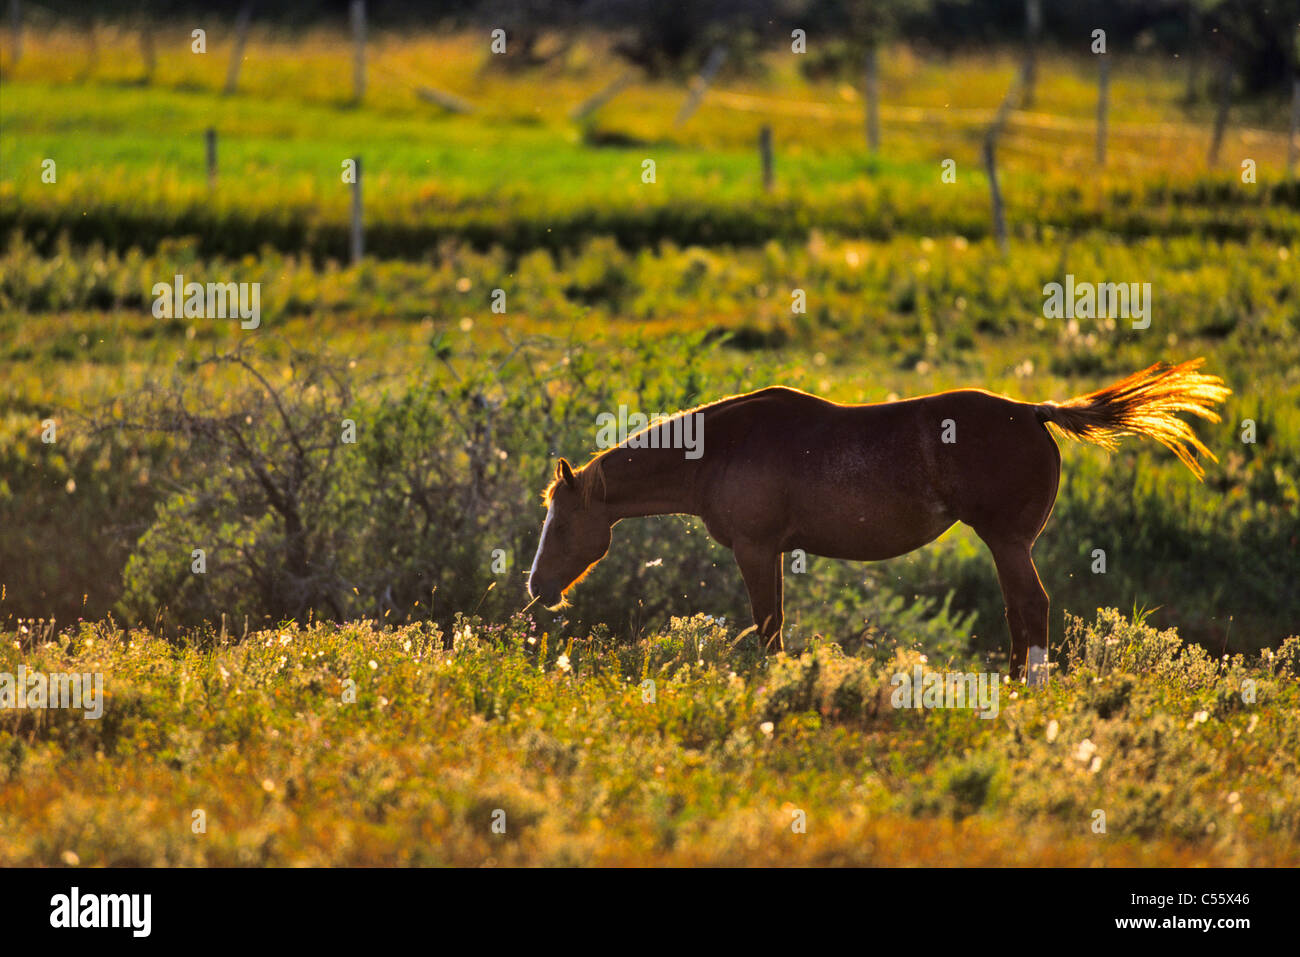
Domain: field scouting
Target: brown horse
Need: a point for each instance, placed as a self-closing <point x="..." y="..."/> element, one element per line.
<point x="781" y="469"/>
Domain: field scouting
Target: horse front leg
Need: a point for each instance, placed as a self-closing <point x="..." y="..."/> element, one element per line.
<point x="760" y="566"/>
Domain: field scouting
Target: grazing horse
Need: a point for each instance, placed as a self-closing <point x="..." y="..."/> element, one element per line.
<point x="780" y="469"/>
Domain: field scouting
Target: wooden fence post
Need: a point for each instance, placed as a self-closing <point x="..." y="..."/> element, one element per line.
<point x="358" y="239"/>
<point x="237" y="54"/>
<point x="871" y="93"/>
<point x="16" y="28"/>
<point x="990" y="156"/>
<point x="1224" y="84"/>
<point x="765" y="155"/>
<point x="701" y="84"/>
<point x="92" y="52"/>
<point x="593" y="103"/>
<point x="1033" y="27"/>
<point x="211" y="138"/>
<point x="359" y="50"/>
<point x="147" y="51"/>
<point x="1103" y="98"/>
<point x="1293" y="144"/>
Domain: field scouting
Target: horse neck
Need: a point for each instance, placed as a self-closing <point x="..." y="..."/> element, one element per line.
<point x="641" y="482"/>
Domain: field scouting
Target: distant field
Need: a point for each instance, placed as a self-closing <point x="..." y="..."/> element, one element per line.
<point x="519" y="173"/>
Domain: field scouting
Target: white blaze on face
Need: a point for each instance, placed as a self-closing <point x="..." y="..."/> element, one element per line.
<point x="546" y="527"/>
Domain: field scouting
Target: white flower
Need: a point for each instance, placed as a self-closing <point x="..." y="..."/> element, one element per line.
<point x="374" y="665"/>
<point x="767" y="728"/>
<point x="1085" y="750"/>
<point x="1053" y="729"/>
<point x="562" y="663"/>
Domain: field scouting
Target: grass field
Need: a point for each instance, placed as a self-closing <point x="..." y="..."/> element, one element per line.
<point x="659" y="296"/>
<point x="676" y="750"/>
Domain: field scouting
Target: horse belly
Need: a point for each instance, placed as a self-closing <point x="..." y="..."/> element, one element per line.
<point x="869" y="527"/>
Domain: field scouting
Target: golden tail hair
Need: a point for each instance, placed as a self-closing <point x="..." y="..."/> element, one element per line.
<point x="1144" y="404"/>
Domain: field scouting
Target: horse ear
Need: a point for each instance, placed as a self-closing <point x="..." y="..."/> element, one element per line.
<point x="564" y="474"/>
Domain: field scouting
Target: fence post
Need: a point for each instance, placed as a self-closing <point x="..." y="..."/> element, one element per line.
<point x="990" y="155"/>
<point x="358" y="239"/>
<point x="1194" y="47"/>
<point x="92" y="52"/>
<point x="1103" y="98"/>
<point x="359" y="49"/>
<point x="1033" y="27"/>
<point x="237" y="54"/>
<point x="765" y="155"/>
<point x="211" y="138"/>
<point x="701" y="84"/>
<point x="1221" y="112"/>
<point x="147" y="51"/>
<point x="593" y="103"/>
<point x="16" y="28"/>
<point x="871" y="93"/>
<point x="995" y="194"/>
<point x="1293" y="144"/>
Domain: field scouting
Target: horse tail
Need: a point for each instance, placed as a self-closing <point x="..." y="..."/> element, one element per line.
<point x="1144" y="404"/>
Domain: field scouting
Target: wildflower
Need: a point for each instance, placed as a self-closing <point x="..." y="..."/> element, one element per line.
<point x="562" y="663"/>
<point x="1085" y="750"/>
<point x="1053" y="729"/>
<point x="767" y="728"/>
<point x="374" y="665"/>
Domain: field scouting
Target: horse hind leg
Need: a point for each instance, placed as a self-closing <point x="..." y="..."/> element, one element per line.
<point x="1026" y="600"/>
<point x="760" y="566"/>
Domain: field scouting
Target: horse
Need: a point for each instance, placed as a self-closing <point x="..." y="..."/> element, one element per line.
<point x="781" y="469"/>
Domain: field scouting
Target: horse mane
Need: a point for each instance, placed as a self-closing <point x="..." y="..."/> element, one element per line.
<point x="591" y="476"/>
<point x="587" y="477"/>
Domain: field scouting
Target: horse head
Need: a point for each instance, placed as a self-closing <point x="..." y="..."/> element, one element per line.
<point x="575" y="536"/>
